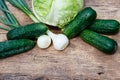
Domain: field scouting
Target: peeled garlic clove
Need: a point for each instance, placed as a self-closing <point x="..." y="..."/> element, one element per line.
<point x="44" y="41"/>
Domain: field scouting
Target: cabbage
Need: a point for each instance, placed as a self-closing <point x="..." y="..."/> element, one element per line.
<point x="56" y="12"/>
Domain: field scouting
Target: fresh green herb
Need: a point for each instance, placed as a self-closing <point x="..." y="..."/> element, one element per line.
<point x="7" y="17"/>
<point x="22" y="5"/>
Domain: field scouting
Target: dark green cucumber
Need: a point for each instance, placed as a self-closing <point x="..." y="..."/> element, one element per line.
<point x="103" y="43"/>
<point x="13" y="47"/>
<point x="80" y="22"/>
<point x="30" y="31"/>
<point x="105" y="26"/>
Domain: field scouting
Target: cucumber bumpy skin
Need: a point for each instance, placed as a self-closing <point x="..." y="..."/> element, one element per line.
<point x="30" y="31"/>
<point x="105" y="26"/>
<point x="80" y="22"/>
<point x="13" y="47"/>
<point x="103" y="43"/>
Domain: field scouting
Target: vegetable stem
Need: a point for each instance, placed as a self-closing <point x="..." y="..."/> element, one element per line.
<point x="22" y="5"/>
<point x="7" y="18"/>
<point x="34" y="18"/>
<point x="51" y="34"/>
<point x="6" y="29"/>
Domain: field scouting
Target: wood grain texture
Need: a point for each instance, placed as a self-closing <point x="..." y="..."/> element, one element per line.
<point x="79" y="61"/>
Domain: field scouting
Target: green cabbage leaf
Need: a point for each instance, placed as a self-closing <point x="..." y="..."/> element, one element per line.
<point x="56" y="12"/>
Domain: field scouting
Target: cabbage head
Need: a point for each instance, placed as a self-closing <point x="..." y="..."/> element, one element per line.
<point x="56" y="12"/>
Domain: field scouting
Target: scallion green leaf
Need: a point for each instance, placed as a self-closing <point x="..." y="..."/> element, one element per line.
<point x="22" y="5"/>
<point x="7" y="17"/>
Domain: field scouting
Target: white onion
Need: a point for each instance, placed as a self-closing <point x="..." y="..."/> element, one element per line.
<point x="60" y="41"/>
<point x="44" y="41"/>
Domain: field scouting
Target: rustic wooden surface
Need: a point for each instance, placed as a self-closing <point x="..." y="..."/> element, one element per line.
<point x="79" y="61"/>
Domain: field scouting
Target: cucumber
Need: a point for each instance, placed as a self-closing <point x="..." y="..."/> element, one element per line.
<point x="80" y="22"/>
<point x="105" y="26"/>
<point x="30" y="31"/>
<point x="103" y="43"/>
<point x="13" y="47"/>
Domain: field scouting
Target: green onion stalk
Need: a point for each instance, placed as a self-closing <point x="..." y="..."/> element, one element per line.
<point x="7" y="17"/>
<point x="60" y="41"/>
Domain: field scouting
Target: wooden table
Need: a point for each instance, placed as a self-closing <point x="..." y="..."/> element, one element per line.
<point x="79" y="61"/>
